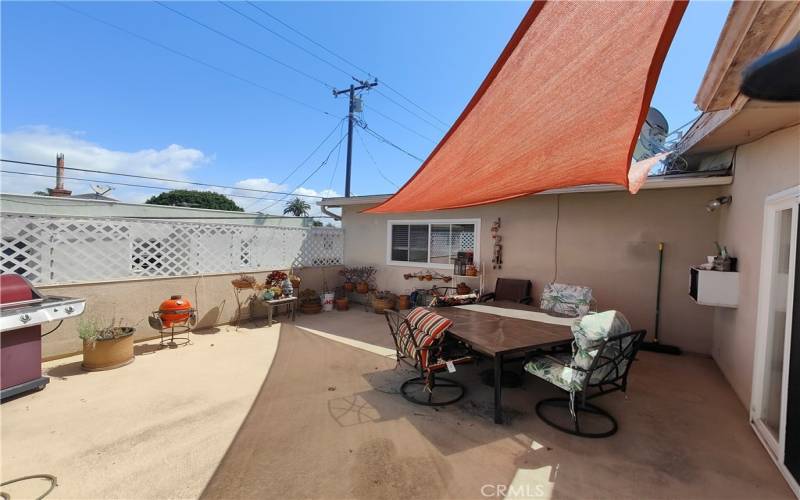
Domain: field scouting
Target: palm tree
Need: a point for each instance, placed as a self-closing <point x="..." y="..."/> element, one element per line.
<point x="297" y="207"/>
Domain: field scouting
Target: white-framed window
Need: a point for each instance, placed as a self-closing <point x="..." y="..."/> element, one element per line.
<point x="431" y="243"/>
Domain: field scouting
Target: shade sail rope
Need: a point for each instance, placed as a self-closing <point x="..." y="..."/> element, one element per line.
<point x="562" y="107"/>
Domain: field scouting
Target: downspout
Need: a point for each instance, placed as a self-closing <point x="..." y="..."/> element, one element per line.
<point x="324" y="209"/>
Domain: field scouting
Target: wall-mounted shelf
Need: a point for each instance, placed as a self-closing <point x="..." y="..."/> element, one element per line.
<point x="714" y="288"/>
<point x="465" y="276"/>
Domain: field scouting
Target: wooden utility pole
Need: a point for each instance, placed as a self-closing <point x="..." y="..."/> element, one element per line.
<point x="363" y="85"/>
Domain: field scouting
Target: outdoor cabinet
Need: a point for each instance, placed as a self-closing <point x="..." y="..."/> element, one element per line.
<point x="714" y="288"/>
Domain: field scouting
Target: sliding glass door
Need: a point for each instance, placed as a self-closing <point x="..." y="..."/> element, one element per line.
<point x="774" y="378"/>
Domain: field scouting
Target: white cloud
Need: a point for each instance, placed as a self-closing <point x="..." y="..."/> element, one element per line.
<point x="39" y="144"/>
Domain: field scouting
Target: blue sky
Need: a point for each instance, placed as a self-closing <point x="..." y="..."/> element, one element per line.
<point x="111" y="101"/>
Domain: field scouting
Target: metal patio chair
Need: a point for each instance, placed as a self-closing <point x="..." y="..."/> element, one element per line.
<point x="514" y="290"/>
<point x="419" y="340"/>
<point x="602" y="354"/>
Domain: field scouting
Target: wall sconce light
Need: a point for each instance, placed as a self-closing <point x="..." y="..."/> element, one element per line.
<point x="718" y="202"/>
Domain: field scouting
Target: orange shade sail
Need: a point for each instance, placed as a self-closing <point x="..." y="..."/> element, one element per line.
<point x="562" y="107"/>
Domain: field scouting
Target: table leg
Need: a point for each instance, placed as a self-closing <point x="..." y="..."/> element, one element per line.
<point x="498" y="387"/>
<point x="294" y="310"/>
<point x="269" y="314"/>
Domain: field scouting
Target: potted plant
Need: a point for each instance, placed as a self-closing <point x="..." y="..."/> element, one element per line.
<point x="349" y="275"/>
<point x="244" y="281"/>
<point x="383" y="300"/>
<point x="310" y="302"/>
<point x="341" y="302"/>
<point x="366" y="275"/>
<point x="105" y="346"/>
<point x="295" y="280"/>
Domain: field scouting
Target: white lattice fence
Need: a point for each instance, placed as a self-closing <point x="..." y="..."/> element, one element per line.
<point x="76" y="249"/>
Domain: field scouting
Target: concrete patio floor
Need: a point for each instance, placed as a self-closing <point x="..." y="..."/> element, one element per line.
<point x="156" y="428"/>
<point x="328" y="422"/>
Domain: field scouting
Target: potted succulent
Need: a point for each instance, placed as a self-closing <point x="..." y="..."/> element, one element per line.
<point x="366" y="275"/>
<point x="383" y="300"/>
<point x="310" y="302"/>
<point x="105" y="346"/>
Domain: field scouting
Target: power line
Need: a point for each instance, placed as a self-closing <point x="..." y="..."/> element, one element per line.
<point x="161" y="179"/>
<point x="324" y="162"/>
<point x="338" y="154"/>
<point x="383" y="139"/>
<point x="195" y="59"/>
<point x="295" y="169"/>
<point x="437" y="127"/>
<point x="116" y="183"/>
<point x="345" y="60"/>
<point x="312" y="54"/>
<point x="380" y="172"/>
<point x="400" y="124"/>
<point x="285" y="39"/>
<point x="243" y="44"/>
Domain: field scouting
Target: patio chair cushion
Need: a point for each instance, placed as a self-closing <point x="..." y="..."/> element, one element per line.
<point x="590" y="332"/>
<point x="556" y="369"/>
<point x="572" y="300"/>
<point x="427" y="327"/>
<point x="566" y="370"/>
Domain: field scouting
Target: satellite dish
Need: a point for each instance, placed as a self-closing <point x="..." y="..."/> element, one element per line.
<point x="100" y="190"/>
<point x="651" y="138"/>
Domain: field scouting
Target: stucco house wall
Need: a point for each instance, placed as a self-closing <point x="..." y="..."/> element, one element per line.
<point x="763" y="168"/>
<point x="608" y="241"/>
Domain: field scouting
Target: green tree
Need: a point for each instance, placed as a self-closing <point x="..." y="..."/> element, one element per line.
<point x="195" y="199"/>
<point x="297" y="207"/>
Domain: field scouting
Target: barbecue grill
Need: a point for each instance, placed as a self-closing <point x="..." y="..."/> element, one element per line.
<point x="23" y="309"/>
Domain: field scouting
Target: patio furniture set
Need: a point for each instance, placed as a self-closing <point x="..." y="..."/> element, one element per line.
<point x="583" y="353"/>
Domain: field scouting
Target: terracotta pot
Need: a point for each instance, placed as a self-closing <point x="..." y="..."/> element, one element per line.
<point x="362" y="287"/>
<point x="428" y="277"/>
<point x="311" y="308"/>
<point x="295" y="281"/>
<point x="404" y="302"/>
<point x="108" y="354"/>
<point x="463" y="289"/>
<point x="342" y="304"/>
<point x="380" y="305"/>
<point x="349" y="286"/>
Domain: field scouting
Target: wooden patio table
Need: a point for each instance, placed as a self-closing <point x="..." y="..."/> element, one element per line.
<point x="493" y="333"/>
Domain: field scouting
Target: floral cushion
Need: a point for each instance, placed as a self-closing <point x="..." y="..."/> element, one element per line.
<point x="426" y="327"/>
<point x="572" y="300"/>
<point x="589" y="333"/>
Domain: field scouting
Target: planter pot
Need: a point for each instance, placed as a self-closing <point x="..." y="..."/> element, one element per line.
<point x="403" y="302"/>
<point x="349" y="287"/>
<point x="295" y="281"/>
<point x="428" y="277"/>
<point x="241" y="284"/>
<point x="362" y="287"/>
<point x="342" y="304"/>
<point x="311" y="308"/>
<point x="380" y="305"/>
<point x="327" y="301"/>
<point x="463" y="289"/>
<point x="108" y="354"/>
